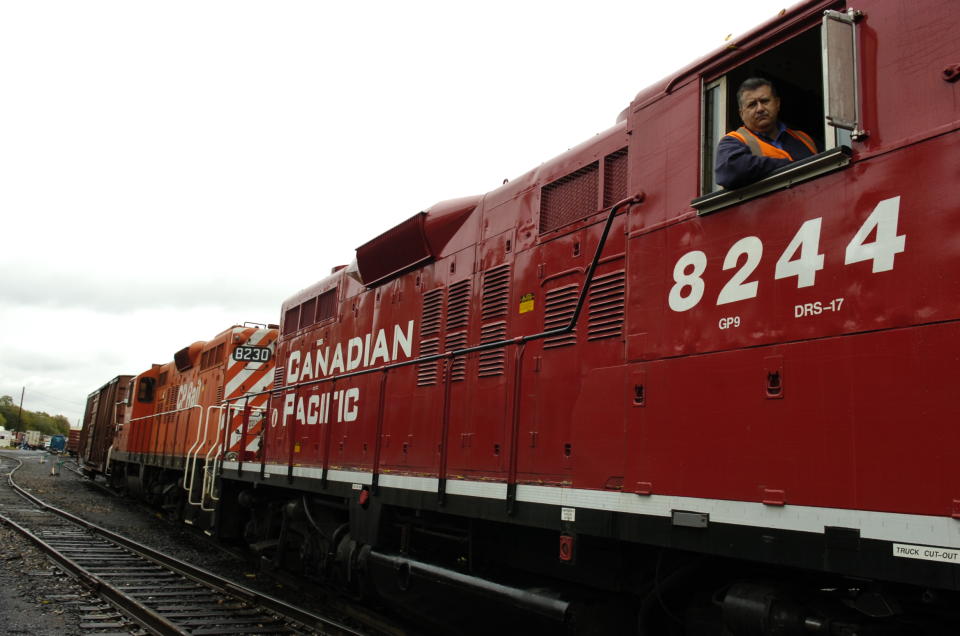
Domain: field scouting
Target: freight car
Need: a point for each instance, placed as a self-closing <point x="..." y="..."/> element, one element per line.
<point x="611" y="392"/>
<point x="73" y="442"/>
<point x="102" y="418"/>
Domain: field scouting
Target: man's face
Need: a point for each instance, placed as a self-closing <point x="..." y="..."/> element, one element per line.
<point x="759" y="110"/>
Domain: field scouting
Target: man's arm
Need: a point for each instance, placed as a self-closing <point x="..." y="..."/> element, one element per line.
<point x="737" y="166"/>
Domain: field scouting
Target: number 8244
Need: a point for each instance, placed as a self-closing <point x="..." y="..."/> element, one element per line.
<point x="801" y="258"/>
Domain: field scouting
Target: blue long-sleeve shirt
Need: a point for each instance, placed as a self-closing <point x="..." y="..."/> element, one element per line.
<point x="736" y="166"/>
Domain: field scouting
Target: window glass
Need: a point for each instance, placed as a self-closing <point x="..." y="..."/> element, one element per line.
<point x="714" y="127"/>
<point x="145" y="389"/>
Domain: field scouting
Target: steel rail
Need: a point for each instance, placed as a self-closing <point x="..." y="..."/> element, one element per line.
<point x="149" y="618"/>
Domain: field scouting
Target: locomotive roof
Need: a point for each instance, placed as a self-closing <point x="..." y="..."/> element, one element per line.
<point x="742" y="47"/>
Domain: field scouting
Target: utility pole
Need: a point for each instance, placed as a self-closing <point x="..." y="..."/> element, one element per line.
<point x="20" y="412"/>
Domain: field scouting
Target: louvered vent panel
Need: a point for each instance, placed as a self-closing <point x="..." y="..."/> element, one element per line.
<point x="492" y="362"/>
<point x="496" y="292"/>
<point x="326" y="305"/>
<point x="607" y="294"/>
<point x="614" y="177"/>
<point x="458" y="305"/>
<point x="171" y="404"/>
<point x="559" y="306"/>
<point x="432" y="313"/>
<point x="569" y="198"/>
<point x="219" y="394"/>
<point x="291" y="320"/>
<point x="308" y="313"/>
<point x="458" y="341"/>
<point x="427" y="371"/>
<point x="278" y="377"/>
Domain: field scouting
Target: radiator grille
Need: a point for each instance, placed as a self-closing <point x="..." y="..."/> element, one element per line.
<point x="212" y="357"/>
<point x="458" y="305"/>
<point x="427" y="371"/>
<point x="171" y="402"/>
<point x="291" y="320"/>
<point x="492" y="362"/>
<point x="327" y="305"/>
<point x="308" y="313"/>
<point x="559" y="305"/>
<point x="606" y="310"/>
<point x="432" y="313"/>
<point x="614" y="177"/>
<point x="569" y="198"/>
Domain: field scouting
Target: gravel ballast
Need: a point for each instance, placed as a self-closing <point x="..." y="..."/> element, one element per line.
<point x="36" y="597"/>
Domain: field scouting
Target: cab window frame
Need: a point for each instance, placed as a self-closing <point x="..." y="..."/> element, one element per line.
<point x="814" y="90"/>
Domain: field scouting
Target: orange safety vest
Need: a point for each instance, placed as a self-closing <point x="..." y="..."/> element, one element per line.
<point x="760" y="148"/>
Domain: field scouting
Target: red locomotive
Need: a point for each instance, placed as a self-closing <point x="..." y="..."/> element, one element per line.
<point x="649" y="396"/>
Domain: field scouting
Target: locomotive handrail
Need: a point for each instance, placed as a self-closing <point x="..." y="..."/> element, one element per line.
<point x="223" y="422"/>
<point x="208" y="480"/>
<point x="190" y="471"/>
<point x="638" y="198"/>
<point x="204" y="420"/>
<point x="152" y="415"/>
<point x="147" y="417"/>
<point x="446" y="356"/>
<point x="207" y="486"/>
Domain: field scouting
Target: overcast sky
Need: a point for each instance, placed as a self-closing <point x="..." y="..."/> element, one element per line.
<point x="168" y="169"/>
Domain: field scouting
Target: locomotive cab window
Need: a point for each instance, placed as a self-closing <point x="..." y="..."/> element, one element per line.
<point x="814" y="83"/>
<point x="145" y="389"/>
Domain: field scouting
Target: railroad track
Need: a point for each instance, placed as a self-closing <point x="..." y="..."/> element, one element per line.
<point x="144" y="587"/>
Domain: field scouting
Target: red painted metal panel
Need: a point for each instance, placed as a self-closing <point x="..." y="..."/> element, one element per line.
<point x="865" y="423"/>
<point x="687" y="279"/>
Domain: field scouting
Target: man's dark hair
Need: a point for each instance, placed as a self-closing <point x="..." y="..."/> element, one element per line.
<point x="752" y="84"/>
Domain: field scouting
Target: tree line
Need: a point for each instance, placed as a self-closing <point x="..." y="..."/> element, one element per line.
<point x="30" y="420"/>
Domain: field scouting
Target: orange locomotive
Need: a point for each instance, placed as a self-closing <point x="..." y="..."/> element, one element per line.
<point x="176" y="423"/>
